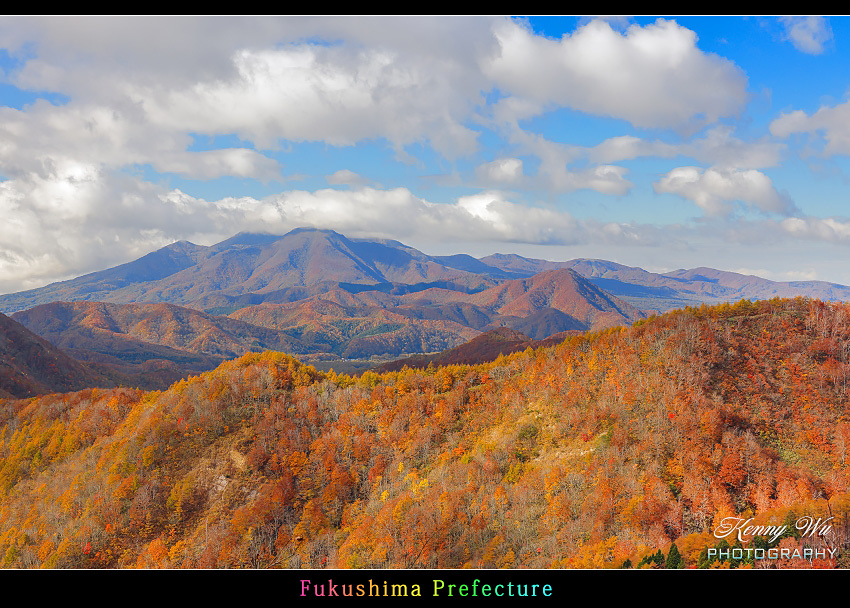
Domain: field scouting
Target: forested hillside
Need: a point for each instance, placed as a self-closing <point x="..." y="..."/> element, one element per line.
<point x="29" y="365"/>
<point x="597" y="452"/>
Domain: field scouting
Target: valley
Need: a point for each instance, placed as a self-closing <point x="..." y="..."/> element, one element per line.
<point x="346" y="304"/>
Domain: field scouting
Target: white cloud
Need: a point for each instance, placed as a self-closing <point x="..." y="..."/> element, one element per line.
<point x="135" y="103"/>
<point x="404" y="79"/>
<point x="821" y="229"/>
<point x="398" y="213"/>
<point x="627" y="147"/>
<point x="807" y="34"/>
<point x="75" y="219"/>
<point x="106" y="50"/>
<point x="718" y="147"/>
<point x="833" y="122"/>
<point x="608" y="179"/>
<point x="715" y="188"/>
<point x="209" y="164"/>
<point x="808" y="274"/>
<point x="554" y="175"/>
<point x="35" y="139"/>
<point x="329" y="94"/>
<point x="503" y="220"/>
<point x="501" y="170"/>
<point x="68" y="206"/>
<point x="346" y="177"/>
<point x="652" y="76"/>
<point x="80" y="219"/>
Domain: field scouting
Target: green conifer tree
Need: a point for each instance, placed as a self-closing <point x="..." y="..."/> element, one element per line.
<point x="674" y="558"/>
<point x="724" y="551"/>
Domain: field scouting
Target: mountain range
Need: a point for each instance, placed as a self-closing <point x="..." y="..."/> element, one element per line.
<point x="250" y="269"/>
<point x="322" y="296"/>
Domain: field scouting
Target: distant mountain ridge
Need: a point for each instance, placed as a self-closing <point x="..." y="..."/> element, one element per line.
<point x="343" y="320"/>
<point x="249" y="269"/>
<point x="317" y="293"/>
<point x="675" y="289"/>
<point x="357" y="324"/>
<point x="306" y="292"/>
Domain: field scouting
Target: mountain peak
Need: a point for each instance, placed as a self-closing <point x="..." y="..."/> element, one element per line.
<point x="248" y="238"/>
<point x="310" y="230"/>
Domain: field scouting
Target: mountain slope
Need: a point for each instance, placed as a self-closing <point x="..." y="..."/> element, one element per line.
<point x="300" y="263"/>
<point x="356" y="325"/>
<point x="563" y="290"/>
<point x="676" y="289"/>
<point x="29" y="365"/>
<point x="348" y="325"/>
<point x="251" y="269"/>
<point x="88" y="325"/>
<point x="353" y="330"/>
<point x="101" y="285"/>
<point x="696" y="286"/>
<point x="604" y="448"/>
<point x="481" y="349"/>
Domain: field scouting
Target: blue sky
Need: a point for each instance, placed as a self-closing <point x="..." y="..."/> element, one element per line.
<point x="660" y="142"/>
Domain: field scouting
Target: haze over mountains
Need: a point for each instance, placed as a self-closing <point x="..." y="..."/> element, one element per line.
<point x="316" y="293"/>
<point x="253" y="268"/>
<point x="250" y="269"/>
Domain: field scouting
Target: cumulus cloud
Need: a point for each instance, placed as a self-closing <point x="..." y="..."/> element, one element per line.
<point x="266" y="80"/>
<point x="340" y="81"/>
<point x="501" y="170"/>
<point x="831" y="123"/>
<point x="346" y="177"/>
<point x="807" y="34"/>
<point x="717" y="147"/>
<point x="821" y="229"/>
<point x="652" y="76"/>
<point x="321" y="93"/>
<point x="808" y="274"/>
<point x="35" y="139"/>
<point x="106" y="50"/>
<point x="715" y="188"/>
<point x="608" y="179"/>
<point x="81" y="219"/>
<point x="721" y="148"/>
<point x="398" y="213"/>
<point x="627" y="147"/>
<point x="69" y="205"/>
<point x="554" y="174"/>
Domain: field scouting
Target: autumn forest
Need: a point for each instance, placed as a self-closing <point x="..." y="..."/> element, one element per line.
<point x="624" y="447"/>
